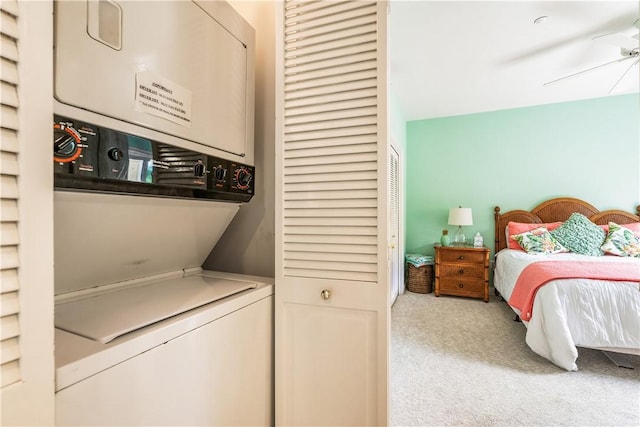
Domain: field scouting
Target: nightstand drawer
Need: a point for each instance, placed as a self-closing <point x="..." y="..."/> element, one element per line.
<point x="461" y="270"/>
<point x="462" y="285"/>
<point x="462" y="256"/>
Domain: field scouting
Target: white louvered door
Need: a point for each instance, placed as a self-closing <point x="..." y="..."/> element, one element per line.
<point x="395" y="263"/>
<point x="26" y="214"/>
<point x="332" y="293"/>
<point x="9" y="217"/>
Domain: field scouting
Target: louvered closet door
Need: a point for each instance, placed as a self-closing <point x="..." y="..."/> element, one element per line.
<point x="26" y="225"/>
<point x="332" y="294"/>
<point x="395" y="262"/>
<point x="9" y="217"/>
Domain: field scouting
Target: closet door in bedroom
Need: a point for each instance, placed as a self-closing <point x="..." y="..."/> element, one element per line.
<point x="395" y="255"/>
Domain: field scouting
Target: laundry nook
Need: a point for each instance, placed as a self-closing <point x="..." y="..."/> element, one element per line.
<point x="153" y="158"/>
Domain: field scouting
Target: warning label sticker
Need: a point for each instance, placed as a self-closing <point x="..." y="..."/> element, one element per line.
<point x="163" y="98"/>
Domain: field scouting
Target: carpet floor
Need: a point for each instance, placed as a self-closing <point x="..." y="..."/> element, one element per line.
<point x="459" y="361"/>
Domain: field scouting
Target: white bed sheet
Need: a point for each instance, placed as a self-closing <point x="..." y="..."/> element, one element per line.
<point x="572" y="313"/>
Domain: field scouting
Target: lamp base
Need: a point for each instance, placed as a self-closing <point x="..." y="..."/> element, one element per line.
<point x="459" y="238"/>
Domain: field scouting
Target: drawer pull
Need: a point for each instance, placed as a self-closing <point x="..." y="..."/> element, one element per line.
<point x="461" y="285"/>
<point x="461" y="257"/>
<point x="461" y="271"/>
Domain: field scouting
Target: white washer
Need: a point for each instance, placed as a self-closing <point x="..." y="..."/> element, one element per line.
<point x="210" y="365"/>
<point x="182" y="346"/>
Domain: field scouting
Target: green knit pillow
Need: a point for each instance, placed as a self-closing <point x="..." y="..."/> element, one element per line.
<point x="580" y="235"/>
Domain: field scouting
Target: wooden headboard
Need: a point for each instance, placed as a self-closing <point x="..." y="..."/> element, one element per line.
<point x="558" y="209"/>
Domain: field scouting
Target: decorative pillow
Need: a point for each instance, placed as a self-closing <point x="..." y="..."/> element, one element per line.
<point x="580" y="235"/>
<point x="514" y="228"/>
<point x="633" y="226"/>
<point x="621" y="241"/>
<point x="538" y="241"/>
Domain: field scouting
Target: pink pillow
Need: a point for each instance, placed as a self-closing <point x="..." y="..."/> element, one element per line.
<point x="522" y="227"/>
<point x="633" y="226"/>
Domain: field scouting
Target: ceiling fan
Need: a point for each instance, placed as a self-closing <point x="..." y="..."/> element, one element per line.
<point x="629" y="51"/>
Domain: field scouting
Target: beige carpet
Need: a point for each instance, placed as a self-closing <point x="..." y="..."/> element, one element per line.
<point x="458" y="361"/>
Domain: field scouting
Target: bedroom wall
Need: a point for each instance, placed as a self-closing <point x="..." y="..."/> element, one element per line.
<point x="518" y="158"/>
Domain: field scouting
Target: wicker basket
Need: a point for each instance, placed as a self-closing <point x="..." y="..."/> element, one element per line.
<point x="420" y="279"/>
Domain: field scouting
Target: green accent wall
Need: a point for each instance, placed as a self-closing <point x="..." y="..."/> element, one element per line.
<point x="518" y="158"/>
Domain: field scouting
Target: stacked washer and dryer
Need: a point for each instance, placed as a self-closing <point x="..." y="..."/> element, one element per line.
<point x="153" y="157"/>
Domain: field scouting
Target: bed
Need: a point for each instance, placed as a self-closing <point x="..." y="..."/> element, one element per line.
<point x="600" y="310"/>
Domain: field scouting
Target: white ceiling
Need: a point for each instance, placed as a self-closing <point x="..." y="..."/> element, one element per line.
<point x="459" y="57"/>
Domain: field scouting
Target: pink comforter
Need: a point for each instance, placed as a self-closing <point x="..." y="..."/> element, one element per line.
<point x="537" y="274"/>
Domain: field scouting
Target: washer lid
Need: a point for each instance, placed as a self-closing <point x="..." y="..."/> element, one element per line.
<point x="110" y="315"/>
<point x="101" y="239"/>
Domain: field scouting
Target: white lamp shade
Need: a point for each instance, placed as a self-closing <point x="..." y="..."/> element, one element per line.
<point x="460" y="216"/>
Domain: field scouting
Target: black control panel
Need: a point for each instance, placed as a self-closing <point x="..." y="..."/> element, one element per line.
<point x="92" y="158"/>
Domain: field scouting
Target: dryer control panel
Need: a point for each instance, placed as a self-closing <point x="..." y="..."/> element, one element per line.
<point x="92" y="158"/>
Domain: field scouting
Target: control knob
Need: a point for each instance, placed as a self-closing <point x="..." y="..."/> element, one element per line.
<point x="199" y="169"/>
<point x="242" y="177"/>
<point x="219" y="173"/>
<point x="115" y="154"/>
<point x="66" y="143"/>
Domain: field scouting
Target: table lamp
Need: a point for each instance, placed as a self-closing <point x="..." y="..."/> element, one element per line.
<point x="460" y="216"/>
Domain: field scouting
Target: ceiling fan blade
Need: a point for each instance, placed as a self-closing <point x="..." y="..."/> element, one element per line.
<point x="617" y="23"/>
<point x="587" y="70"/>
<point x="619" y="40"/>
<point x="622" y="76"/>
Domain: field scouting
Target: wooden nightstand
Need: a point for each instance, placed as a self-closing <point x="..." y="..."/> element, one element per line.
<point x="462" y="271"/>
